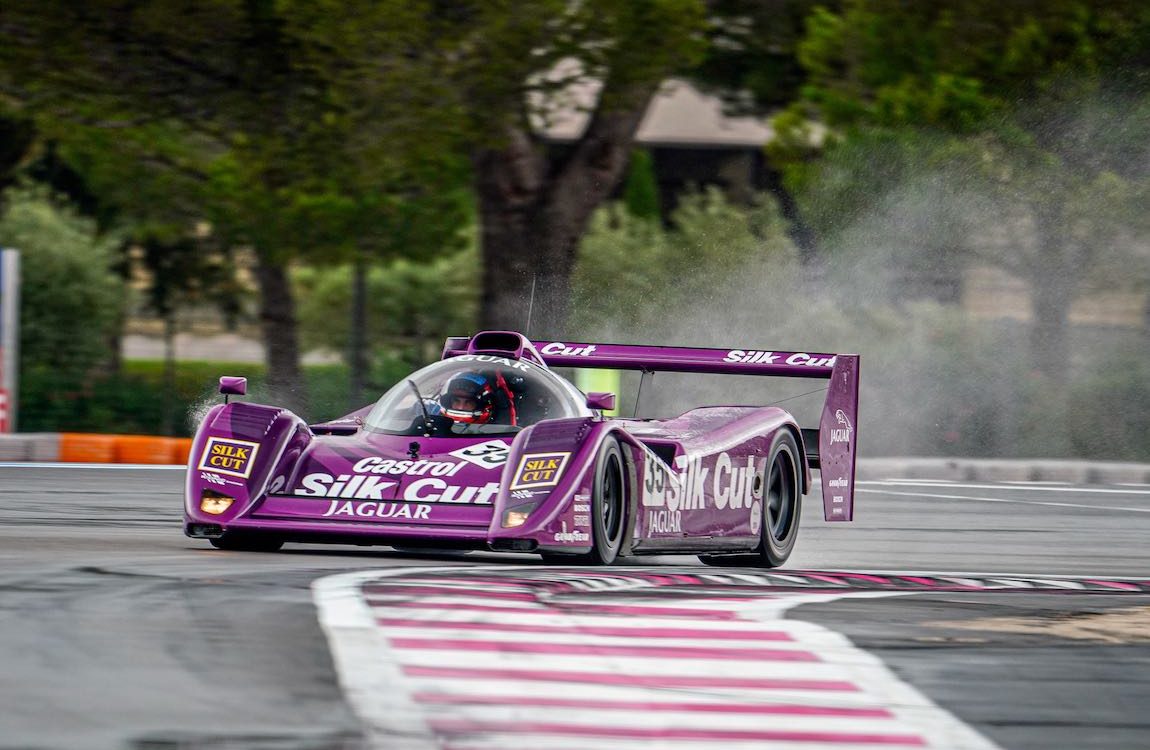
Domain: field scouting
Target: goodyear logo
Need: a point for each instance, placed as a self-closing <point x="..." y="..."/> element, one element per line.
<point x="229" y="456"/>
<point x="539" y="470"/>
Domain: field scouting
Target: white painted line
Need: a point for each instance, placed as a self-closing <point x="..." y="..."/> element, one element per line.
<point x="603" y="717"/>
<point x="634" y="666"/>
<point x="953" y="575"/>
<point x="547" y="617"/>
<point x="1008" y="500"/>
<point x="560" y="742"/>
<point x="493" y="632"/>
<point x="1030" y="486"/>
<point x="369" y="680"/>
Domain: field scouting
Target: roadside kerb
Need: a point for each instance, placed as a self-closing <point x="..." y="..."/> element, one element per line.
<point x="72" y="447"/>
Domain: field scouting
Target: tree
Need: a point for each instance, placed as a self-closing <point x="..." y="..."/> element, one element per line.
<point x="66" y="277"/>
<point x="230" y="110"/>
<point x="507" y="67"/>
<point x="752" y="62"/>
<point x="1035" y="92"/>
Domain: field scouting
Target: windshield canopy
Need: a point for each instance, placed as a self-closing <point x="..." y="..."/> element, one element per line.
<point x="474" y="395"/>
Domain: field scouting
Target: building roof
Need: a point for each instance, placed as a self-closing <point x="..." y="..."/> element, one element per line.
<point x="679" y="115"/>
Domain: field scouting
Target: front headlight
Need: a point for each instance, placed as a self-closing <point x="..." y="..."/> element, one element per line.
<point x="214" y="502"/>
<point x="517" y="516"/>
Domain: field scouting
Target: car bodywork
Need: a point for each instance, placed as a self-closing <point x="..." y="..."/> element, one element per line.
<point x="691" y="483"/>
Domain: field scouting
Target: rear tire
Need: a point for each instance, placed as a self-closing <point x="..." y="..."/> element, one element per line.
<point x="608" y="506"/>
<point x="782" y="502"/>
<point x="234" y="542"/>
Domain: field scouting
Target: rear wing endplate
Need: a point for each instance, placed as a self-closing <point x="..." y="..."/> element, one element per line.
<point x="836" y="439"/>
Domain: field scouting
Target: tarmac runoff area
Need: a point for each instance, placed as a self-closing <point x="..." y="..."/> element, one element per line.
<point x="950" y="614"/>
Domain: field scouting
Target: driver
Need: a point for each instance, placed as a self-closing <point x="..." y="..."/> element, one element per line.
<point x="475" y="398"/>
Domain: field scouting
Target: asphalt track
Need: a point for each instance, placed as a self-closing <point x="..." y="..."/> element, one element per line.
<point x="118" y="632"/>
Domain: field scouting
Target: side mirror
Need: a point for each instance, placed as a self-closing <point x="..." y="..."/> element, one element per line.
<point x="601" y="401"/>
<point x="231" y="385"/>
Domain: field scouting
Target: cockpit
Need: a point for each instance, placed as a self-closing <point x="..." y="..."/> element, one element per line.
<point x="474" y="394"/>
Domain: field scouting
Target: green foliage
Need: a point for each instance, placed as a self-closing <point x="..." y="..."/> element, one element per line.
<point x="411" y="307"/>
<point x="71" y="302"/>
<point x="955" y="64"/>
<point x="132" y="402"/>
<point x="641" y="191"/>
<point x="1108" y="406"/>
<point x="751" y="54"/>
<point x="631" y="271"/>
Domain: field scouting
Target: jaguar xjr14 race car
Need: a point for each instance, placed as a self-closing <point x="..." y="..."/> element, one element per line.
<point x="490" y="448"/>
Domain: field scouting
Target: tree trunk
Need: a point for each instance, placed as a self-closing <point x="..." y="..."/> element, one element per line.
<point x="534" y="210"/>
<point x="281" y="337"/>
<point x="167" y="419"/>
<point x="800" y="232"/>
<point x="357" y="354"/>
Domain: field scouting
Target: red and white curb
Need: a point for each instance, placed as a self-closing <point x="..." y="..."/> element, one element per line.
<point x="478" y="658"/>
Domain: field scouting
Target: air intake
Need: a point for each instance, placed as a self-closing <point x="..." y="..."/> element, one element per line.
<point x="502" y="343"/>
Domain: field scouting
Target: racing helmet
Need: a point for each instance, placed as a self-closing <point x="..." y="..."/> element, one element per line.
<point x="468" y="397"/>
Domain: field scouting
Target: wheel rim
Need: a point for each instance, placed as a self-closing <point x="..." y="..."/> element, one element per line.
<point x="612" y="493"/>
<point x="780" y="497"/>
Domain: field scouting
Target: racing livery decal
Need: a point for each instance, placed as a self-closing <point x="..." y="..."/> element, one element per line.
<point x="229" y="456"/>
<point x="539" y="470"/>
<point x="801" y="359"/>
<point x="360" y="487"/>
<point x="420" y="467"/>
<point x="842" y="433"/>
<point x="377" y="510"/>
<point x="558" y="347"/>
<point x="489" y="455"/>
<point x="718" y="482"/>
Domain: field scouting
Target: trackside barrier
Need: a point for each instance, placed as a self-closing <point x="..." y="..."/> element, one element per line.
<point x="79" y="447"/>
<point x="47" y="447"/>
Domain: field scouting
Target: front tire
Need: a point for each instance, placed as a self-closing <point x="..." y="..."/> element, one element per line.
<point x="234" y="542"/>
<point x="608" y="506"/>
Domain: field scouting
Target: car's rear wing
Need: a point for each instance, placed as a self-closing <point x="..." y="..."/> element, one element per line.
<point x="836" y="437"/>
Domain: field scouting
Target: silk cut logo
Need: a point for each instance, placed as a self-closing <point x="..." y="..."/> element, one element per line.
<point x="489" y="455"/>
<point x="229" y="456"/>
<point x="539" y="470"/>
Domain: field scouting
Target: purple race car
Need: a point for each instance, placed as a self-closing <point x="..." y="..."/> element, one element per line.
<point x="490" y="449"/>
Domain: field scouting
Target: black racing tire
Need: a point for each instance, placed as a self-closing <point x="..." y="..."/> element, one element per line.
<point x="608" y="505"/>
<point x="781" y="509"/>
<point x="782" y="502"/>
<point x="234" y="542"/>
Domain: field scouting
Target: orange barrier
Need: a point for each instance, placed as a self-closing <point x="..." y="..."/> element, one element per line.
<point x="76" y="447"/>
<point x="145" y="449"/>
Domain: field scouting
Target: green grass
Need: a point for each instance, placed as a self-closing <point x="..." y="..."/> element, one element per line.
<point x="134" y="402"/>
